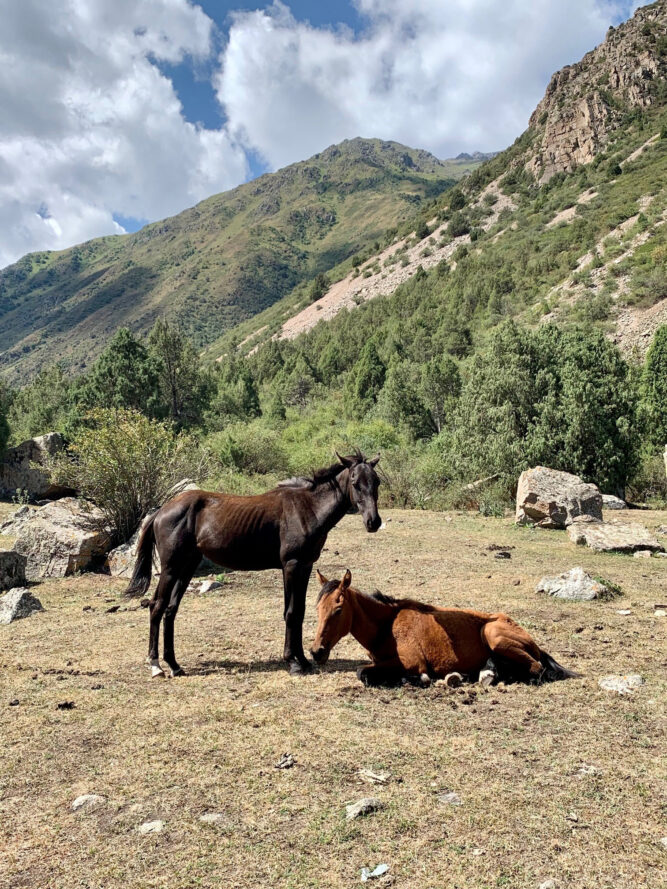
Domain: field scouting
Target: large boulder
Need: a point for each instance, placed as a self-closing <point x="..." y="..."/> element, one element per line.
<point x="12" y="569"/>
<point x="575" y="585"/>
<point x="552" y="499"/>
<point x="18" y="603"/>
<point x="610" y="537"/>
<point x="58" y="539"/>
<point x="120" y="560"/>
<point x="609" y="501"/>
<point x="20" y="476"/>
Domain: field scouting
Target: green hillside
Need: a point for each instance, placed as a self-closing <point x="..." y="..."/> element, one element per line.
<point x="218" y="263"/>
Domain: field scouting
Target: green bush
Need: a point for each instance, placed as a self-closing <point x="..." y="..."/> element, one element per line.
<point x="127" y="465"/>
<point x="249" y="448"/>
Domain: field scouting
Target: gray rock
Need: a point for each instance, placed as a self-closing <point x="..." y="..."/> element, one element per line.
<point x="212" y="818"/>
<point x="575" y="584"/>
<point x="552" y="499"/>
<point x="379" y="871"/>
<point x="642" y="554"/>
<point x="611" y="502"/>
<point x="623" y="685"/>
<point x="12" y="569"/>
<point x="20" y="475"/>
<point x="209" y="585"/>
<point x="88" y="802"/>
<point x="365" y="806"/>
<point x="151" y="827"/>
<point x="18" y="603"/>
<point x="450" y="798"/>
<point x="613" y="536"/>
<point x="120" y="560"/>
<point x="65" y="536"/>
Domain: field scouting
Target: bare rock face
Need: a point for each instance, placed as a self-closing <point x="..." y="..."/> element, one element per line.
<point x="552" y="499"/>
<point x="120" y="560"/>
<point x="58" y="539"/>
<point x="19" y="475"/>
<point x="18" y="603"/>
<point x="575" y="585"/>
<point x="585" y="102"/>
<point x="608" y="537"/>
<point x="12" y="569"/>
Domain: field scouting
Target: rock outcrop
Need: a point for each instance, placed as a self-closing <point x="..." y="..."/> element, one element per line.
<point x="58" y="539"/>
<point x="18" y="603"/>
<point x="553" y="499"/>
<point x="609" y="537"/>
<point x="12" y="569"/>
<point x="609" y="501"/>
<point x="19" y="474"/>
<point x="585" y="102"/>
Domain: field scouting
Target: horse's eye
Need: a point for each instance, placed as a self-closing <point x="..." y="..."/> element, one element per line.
<point x="338" y="609"/>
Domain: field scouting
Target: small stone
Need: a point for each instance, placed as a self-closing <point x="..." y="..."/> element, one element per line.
<point x="623" y="685"/>
<point x="624" y="611"/>
<point x="477" y="852"/>
<point x="503" y="554"/>
<point x="548" y="884"/>
<point x="663" y="843"/>
<point x="572" y="816"/>
<point x="212" y="818"/>
<point x="286" y="761"/>
<point x="660" y="612"/>
<point x="586" y="771"/>
<point x="368" y="874"/>
<point x="88" y="802"/>
<point x="151" y="827"/>
<point x="450" y="798"/>
<point x="374" y="777"/>
<point x="642" y="554"/>
<point x="209" y="585"/>
<point x="660" y="555"/>
<point x="365" y="806"/>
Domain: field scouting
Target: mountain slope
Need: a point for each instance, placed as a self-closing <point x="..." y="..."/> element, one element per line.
<point x="218" y="263"/>
<point x="578" y="202"/>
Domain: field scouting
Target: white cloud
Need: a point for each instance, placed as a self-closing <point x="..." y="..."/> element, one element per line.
<point x="91" y="128"/>
<point x="445" y="75"/>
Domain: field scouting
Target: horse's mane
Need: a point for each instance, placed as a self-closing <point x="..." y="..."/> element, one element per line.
<point x="400" y="603"/>
<point x="377" y="596"/>
<point x="321" y="476"/>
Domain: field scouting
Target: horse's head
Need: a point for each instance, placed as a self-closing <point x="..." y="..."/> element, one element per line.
<point x="334" y="616"/>
<point x="363" y="488"/>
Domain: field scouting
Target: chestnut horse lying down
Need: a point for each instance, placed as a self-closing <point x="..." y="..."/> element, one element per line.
<point x="405" y="638"/>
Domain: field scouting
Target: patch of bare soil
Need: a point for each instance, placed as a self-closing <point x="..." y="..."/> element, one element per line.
<point x="563" y="781"/>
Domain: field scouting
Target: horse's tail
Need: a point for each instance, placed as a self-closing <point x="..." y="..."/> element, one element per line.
<point x="143" y="567"/>
<point x="553" y="671"/>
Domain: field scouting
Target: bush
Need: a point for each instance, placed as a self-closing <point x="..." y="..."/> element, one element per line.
<point x="251" y="448"/>
<point x="127" y="465"/>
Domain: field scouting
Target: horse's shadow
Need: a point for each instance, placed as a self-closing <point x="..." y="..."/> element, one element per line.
<point x="208" y="668"/>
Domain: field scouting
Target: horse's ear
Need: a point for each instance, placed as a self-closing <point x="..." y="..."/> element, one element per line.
<point x="346" y="581"/>
<point x="322" y="579"/>
<point x="346" y="461"/>
<point x="374" y="461"/>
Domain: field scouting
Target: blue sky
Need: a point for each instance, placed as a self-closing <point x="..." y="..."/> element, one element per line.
<point x="126" y="111"/>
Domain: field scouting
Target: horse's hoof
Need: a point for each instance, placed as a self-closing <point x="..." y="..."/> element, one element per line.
<point x="179" y="671"/>
<point x="487" y="678"/>
<point x="157" y="673"/>
<point x="300" y="668"/>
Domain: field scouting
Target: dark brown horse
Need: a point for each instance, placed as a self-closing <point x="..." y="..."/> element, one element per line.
<point x="286" y="528"/>
<point x="405" y="638"/>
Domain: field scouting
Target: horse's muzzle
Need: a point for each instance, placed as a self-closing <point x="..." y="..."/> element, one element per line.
<point x="372" y="524"/>
<point x="320" y="655"/>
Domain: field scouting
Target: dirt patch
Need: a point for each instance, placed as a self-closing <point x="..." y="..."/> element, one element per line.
<point x="556" y="782"/>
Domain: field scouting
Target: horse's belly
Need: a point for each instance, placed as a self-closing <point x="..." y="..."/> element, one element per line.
<point x="424" y="645"/>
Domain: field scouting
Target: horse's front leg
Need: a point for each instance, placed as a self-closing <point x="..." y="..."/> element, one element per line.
<point x="295" y="580"/>
<point x="387" y="673"/>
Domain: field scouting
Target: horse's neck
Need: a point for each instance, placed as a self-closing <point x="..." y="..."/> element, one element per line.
<point x="368" y="618"/>
<point x="331" y="502"/>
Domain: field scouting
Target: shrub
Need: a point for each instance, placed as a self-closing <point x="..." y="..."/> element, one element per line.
<point x="127" y="465"/>
<point x="251" y="448"/>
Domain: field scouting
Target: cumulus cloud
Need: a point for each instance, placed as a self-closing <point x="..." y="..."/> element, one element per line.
<point x="449" y="76"/>
<point x="90" y="126"/>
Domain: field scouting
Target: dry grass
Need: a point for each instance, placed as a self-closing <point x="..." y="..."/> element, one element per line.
<point x="208" y="743"/>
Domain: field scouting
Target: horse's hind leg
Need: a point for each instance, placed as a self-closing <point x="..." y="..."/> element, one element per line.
<point x="511" y="644"/>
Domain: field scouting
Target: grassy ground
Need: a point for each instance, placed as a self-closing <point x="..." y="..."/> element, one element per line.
<point x="176" y="749"/>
